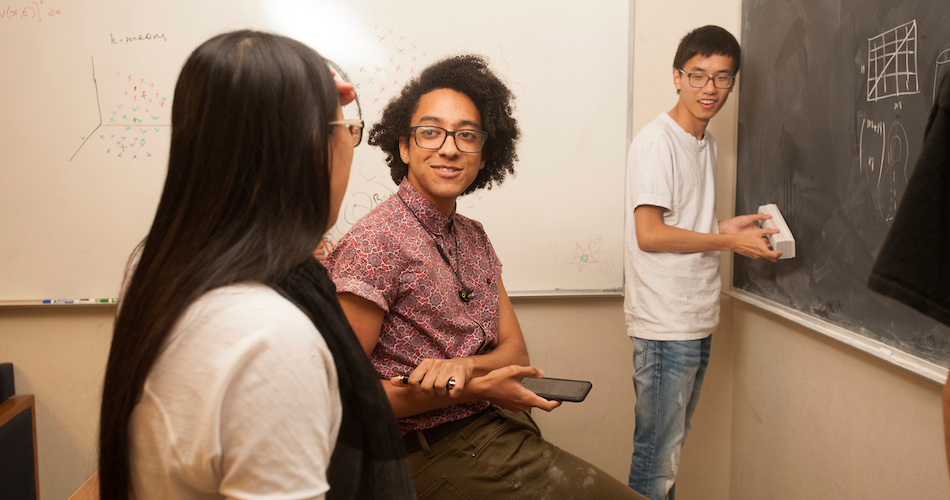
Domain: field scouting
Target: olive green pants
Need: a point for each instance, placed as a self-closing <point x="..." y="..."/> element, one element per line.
<point x="501" y="456"/>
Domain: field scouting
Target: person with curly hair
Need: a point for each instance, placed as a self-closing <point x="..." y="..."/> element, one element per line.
<point x="421" y="286"/>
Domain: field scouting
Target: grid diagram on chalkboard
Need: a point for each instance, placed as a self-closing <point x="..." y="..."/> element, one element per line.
<point x="892" y="62"/>
<point x="849" y="88"/>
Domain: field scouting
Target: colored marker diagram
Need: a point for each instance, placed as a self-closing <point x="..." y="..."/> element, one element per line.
<point x="132" y="113"/>
<point x="591" y="254"/>
<point x="376" y="84"/>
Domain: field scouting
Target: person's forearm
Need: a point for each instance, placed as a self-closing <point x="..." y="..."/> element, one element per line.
<point x="504" y="354"/>
<point x="406" y="402"/>
<point x="501" y="387"/>
<point x="673" y="239"/>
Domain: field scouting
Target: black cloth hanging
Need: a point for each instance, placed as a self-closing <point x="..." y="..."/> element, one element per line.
<point x="369" y="460"/>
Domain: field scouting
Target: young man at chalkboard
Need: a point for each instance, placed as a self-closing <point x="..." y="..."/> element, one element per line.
<point x="421" y="286"/>
<point x="671" y="262"/>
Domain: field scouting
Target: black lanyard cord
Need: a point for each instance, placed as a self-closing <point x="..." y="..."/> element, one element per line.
<point x="465" y="293"/>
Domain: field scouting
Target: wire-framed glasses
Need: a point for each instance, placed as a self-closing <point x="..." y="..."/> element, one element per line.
<point x="699" y="80"/>
<point x="354" y="126"/>
<point x="467" y="140"/>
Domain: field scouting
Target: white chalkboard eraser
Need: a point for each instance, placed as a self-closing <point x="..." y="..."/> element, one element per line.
<point x="783" y="241"/>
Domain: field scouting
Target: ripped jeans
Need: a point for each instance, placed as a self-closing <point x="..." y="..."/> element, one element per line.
<point x="668" y="377"/>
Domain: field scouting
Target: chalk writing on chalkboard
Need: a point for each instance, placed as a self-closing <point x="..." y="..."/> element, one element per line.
<point x="837" y="150"/>
<point x="883" y="149"/>
<point x="131" y="112"/>
<point x="34" y="11"/>
<point x="941" y="67"/>
<point x="892" y="62"/>
<point x="884" y="153"/>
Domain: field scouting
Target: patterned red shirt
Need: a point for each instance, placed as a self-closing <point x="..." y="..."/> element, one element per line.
<point x="390" y="258"/>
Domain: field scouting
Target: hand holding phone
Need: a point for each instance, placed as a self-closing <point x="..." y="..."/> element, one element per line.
<point x="558" y="389"/>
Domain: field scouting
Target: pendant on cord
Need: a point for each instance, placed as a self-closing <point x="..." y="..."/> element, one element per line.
<point x="465" y="293"/>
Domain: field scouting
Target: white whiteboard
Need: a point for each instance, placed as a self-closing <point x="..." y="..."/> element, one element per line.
<point x="86" y="97"/>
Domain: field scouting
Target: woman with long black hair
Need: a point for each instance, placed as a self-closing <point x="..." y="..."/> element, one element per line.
<point x="233" y="372"/>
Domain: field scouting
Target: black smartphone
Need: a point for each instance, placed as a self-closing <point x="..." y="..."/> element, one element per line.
<point x="558" y="388"/>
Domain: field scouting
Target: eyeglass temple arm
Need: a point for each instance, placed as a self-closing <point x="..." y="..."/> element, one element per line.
<point x="356" y="98"/>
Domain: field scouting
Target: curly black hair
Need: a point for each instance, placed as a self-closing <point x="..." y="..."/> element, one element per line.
<point x="470" y="75"/>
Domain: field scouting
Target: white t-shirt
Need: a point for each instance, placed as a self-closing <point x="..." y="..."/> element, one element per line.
<point x="242" y="402"/>
<point x="668" y="295"/>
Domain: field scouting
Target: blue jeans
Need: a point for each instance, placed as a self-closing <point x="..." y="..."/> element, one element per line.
<point x="667" y="380"/>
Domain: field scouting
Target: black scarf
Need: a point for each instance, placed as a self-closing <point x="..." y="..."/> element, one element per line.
<point x="369" y="458"/>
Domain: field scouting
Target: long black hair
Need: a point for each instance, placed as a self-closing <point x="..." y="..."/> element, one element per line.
<point x="246" y="199"/>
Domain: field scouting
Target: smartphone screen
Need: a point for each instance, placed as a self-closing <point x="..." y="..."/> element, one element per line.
<point x="558" y="388"/>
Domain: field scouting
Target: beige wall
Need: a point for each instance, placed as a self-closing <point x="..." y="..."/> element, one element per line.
<point x="59" y="355"/>
<point x="785" y="412"/>
<point x="813" y="418"/>
<point x="586" y="339"/>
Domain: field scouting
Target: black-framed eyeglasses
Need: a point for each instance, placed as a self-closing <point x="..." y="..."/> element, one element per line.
<point x="700" y="80"/>
<point x="354" y="126"/>
<point x="467" y="140"/>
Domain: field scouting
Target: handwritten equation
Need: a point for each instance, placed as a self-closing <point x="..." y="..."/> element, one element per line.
<point x="34" y="11"/>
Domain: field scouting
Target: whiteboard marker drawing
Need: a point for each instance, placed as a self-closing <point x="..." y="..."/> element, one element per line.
<point x="591" y="254"/>
<point x="31" y="12"/>
<point x="140" y="112"/>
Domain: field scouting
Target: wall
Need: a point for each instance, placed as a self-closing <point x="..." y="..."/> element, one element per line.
<point x="813" y="418"/>
<point x="785" y="414"/>
<point x="59" y="355"/>
<point x="585" y="339"/>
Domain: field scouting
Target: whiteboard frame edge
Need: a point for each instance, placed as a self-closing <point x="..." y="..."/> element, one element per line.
<point x="631" y="37"/>
<point x="920" y="367"/>
<point x="564" y="294"/>
<point x="39" y="303"/>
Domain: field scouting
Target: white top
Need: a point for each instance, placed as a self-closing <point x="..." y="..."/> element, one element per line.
<point x="243" y="402"/>
<point x="667" y="295"/>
